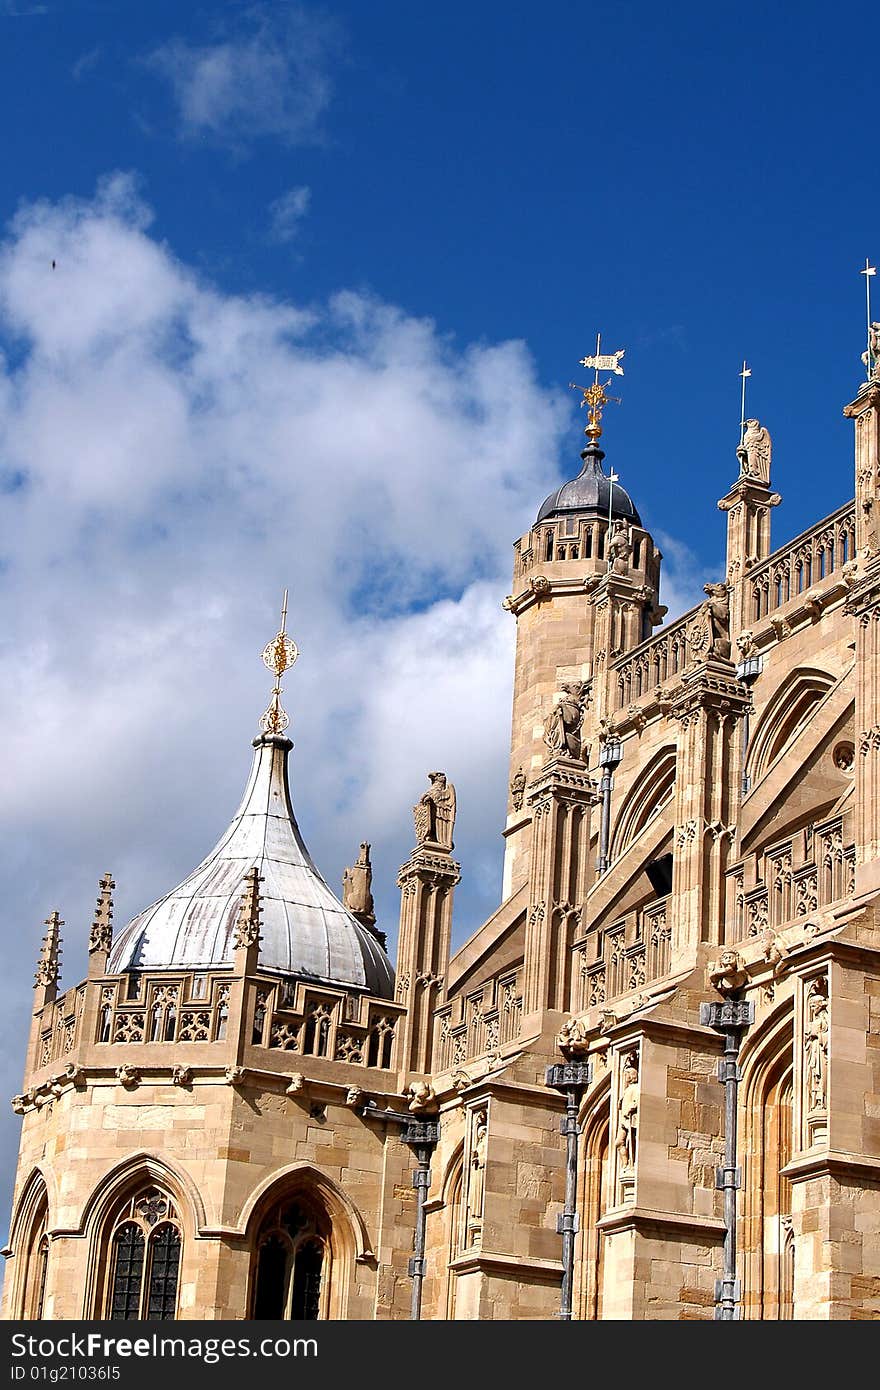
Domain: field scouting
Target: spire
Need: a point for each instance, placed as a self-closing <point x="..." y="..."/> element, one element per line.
<point x="48" y="964"/>
<point x="247" y="925"/>
<point x="101" y="934"/>
<point x="279" y="655"/>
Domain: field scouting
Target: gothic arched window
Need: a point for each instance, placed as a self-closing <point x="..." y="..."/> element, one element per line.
<point x="143" y="1258"/>
<point x="291" y="1263"/>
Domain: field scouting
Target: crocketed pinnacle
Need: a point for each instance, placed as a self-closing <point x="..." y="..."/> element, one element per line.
<point x="48" y="964"/>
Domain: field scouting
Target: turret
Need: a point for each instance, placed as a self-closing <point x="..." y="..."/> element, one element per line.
<point x="586" y="579"/>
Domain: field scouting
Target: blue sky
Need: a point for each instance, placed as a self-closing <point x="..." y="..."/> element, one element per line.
<point x="322" y="277"/>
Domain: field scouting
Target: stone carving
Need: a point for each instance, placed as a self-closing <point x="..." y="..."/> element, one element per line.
<point x="816" y="1045"/>
<point x="234" y="1076"/>
<point x="562" y="727"/>
<point x="747" y="645"/>
<point x="354" y="1097"/>
<point x="297" y="1084"/>
<point x="421" y="1097"/>
<point x="477" y="1180"/>
<point x="709" y="633"/>
<point x="729" y="974"/>
<point x="628" y="1114"/>
<point x="517" y="789"/>
<point x="74" y="1074"/>
<point x="356" y="886"/>
<point x="48" y="967"/>
<point x="872" y="374"/>
<point x="619" y="547"/>
<point x="573" y="1039"/>
<point x="775" y="954"/>
<point x="181" y="1076"/>
<point x="755" y="452"/>
<point x="434" y="815"/>
<point x="128" y="1076"/>
<point x="247" y="924"/>
<point x="101" y="933"/>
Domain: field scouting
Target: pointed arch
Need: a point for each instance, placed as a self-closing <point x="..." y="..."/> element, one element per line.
<point x="594" y="1197"/>
<point x="787" y="711"/>
<point x="29" y="1241"/>
<point x="653" y="790"/>
<point x="330" y="1237"/>
<point x="103" y="1220"/>
<point x="451" y="1207"/>
<point x="768" y="1240"/>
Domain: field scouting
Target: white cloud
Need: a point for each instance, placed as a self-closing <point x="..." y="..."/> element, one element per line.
<point x="287" y="212"/>
<point x="173" y="457"/>
<point x="266" y="75"/>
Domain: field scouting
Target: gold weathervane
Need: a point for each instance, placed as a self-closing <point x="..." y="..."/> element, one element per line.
<point x="595" y="397"/>
<point x="279" y="655"/>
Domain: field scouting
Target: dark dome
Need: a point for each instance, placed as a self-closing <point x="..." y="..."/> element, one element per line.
<point x="590" y="491"/>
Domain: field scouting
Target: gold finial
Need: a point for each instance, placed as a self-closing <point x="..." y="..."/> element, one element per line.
<point x="279" y="655"/>
<point x="595" y="396"/>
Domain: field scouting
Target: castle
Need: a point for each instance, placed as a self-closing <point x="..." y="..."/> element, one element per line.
<point x="648" y="1087"/>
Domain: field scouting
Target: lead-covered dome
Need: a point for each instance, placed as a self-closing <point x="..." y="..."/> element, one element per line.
<point x="306" y="932"/>
<point x="591" y="491"/>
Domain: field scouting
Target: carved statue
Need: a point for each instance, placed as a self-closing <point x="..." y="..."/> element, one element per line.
<point x="181" y="1076"/>
<point x="517" y="789"/>
<point x="728" y="975"/>
<point x="619" y="547"/>
<point x="356" y="885"/>
<point x="775" y="953"/>
<point x="710" y="633"/>
<point x="573" y="1039"/>
<point x="354" y="1097"/>
<point x="421" y="1097"/>
<point x="297" y="1084"/>
<point x="434" y="815"/>
<point x="477" y="1183"/>
<point x="872" y="374"/>
<point x="628" y="1115"/>
<point x="755" y="452"/>
<point x="816" y="1046"/>
<point x="562" y="727"/>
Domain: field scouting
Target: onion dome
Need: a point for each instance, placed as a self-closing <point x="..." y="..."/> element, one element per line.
<point x="306" y="931"/>
<point x="591" y="491"/>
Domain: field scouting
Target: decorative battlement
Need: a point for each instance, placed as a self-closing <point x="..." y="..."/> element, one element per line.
<point x="811" y="557"/>
<point x="200" y="1015"/>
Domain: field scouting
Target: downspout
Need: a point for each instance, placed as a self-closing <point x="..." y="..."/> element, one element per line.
<point x="731" y="1020"/>
<point x="422" y="1136"/>
<point x="572" y="1079"/>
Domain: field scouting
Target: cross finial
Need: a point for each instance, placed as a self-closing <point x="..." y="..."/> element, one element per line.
<point x="279" y="655"/>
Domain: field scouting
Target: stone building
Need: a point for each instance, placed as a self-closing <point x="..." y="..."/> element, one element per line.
<point x="243" y="1112"/>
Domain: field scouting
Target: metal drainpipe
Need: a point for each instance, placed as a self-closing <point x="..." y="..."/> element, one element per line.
<point x="747" y="672"/>
<point x="610" y="756"/>
<point x="572" y="1079"/>
<point x="731" y="1019"/>
<point x="422" y="1136"/>
<point x="424" y="1144"/>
